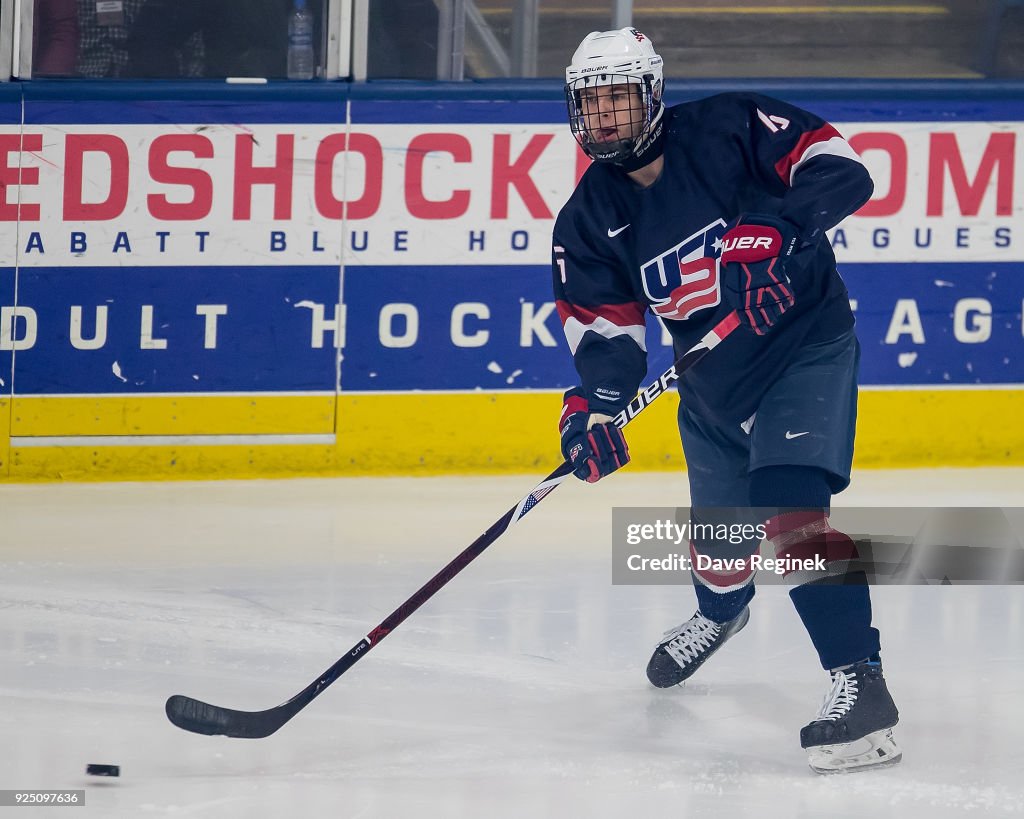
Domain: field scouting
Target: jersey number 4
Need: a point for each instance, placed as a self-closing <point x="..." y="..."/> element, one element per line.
<point x="684" y="279"/>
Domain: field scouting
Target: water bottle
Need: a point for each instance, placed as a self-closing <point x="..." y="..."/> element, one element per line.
<point x="300" y="42"/>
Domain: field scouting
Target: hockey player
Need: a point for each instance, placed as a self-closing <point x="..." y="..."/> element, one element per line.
<point x="692" y="212"/>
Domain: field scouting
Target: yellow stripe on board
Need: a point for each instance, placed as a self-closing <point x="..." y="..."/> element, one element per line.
<point x="495" y="433"/>
<point x="172" y="415"/>
<point x="904" y="428"/>
<point x="143" y="463"/>
<point x="432" y="434"/>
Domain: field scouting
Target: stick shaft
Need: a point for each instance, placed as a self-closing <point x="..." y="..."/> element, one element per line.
<point x="199" y="717"/>
<point x="540" y="491"/>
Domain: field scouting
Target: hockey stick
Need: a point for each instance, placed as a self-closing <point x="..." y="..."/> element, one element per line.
<point x="203" y="718"/>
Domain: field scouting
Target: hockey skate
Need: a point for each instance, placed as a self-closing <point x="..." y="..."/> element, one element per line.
<point x="684" y="649"/>
<point x="853" y="729"/>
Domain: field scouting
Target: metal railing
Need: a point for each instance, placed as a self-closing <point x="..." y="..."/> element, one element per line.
<point x="704" y="38"/>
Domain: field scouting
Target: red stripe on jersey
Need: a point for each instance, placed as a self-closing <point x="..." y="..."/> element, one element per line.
<point x="629" y="314"/>
<point x="785" y="165"/>
<point x="683" y="303"/>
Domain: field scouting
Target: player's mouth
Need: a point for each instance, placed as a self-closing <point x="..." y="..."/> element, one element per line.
<point x="606" y="134"/>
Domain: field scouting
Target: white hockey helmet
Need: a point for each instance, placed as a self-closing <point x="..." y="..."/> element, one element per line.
<point x="609" y="58"/>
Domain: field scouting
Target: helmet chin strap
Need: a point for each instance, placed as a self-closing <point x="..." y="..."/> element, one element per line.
<point x="649" y="147"/>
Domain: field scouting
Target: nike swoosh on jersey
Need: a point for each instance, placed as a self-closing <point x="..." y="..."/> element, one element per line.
<point x="791" y="435"/>
<point x="613" y="233"/>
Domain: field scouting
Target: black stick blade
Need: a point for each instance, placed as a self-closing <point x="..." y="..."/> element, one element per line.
<point x="212" y="720"/>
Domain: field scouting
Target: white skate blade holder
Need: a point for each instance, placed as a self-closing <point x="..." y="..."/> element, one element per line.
<point x="876" y="750"/>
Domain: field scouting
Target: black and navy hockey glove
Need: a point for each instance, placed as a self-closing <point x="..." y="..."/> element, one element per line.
<point x="591" y="442"/>
<point x="755" y="251"/>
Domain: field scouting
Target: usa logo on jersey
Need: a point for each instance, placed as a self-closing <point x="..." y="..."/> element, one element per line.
<point x="684" y="279"/>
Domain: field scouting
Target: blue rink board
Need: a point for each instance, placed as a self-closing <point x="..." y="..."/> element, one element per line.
<point x="6" y="356"/>
<point x="434" y="362"/>
<point x="265" y="340"/>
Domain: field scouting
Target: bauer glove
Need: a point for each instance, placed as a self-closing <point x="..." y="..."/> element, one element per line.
<point x="755" y="252"/>
<point x="591" y="442"/>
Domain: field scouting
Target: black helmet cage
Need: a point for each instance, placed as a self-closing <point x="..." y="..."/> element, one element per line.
<point x="618" y="150"/>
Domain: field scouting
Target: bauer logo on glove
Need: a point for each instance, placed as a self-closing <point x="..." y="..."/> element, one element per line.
<point x="755" y="250"/>
<point x="590" y="441"/>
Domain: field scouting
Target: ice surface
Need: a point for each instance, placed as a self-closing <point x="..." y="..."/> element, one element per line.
<point x="518" y="691"/>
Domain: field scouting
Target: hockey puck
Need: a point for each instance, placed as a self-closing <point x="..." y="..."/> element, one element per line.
<point x="102" y="770"/>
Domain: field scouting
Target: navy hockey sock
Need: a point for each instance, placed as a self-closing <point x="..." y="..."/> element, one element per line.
<point x="722" y="591"/>
<point x="722" y="607"/>
<point x="789" y="487"/>
<point x="838" y="620"/>
<point x="835" y="609"/>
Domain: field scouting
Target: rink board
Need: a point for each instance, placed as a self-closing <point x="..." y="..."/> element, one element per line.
<point x="226" y="281"/>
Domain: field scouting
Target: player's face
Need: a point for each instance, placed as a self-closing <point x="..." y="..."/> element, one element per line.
<point x="612" y="112"/>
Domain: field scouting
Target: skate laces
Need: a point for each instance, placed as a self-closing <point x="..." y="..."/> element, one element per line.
<point x="685" y="643"/>
<point x="840" y="698"/>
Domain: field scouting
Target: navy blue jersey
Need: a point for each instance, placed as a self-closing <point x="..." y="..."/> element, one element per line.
<point x="620" y="250"/>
